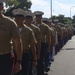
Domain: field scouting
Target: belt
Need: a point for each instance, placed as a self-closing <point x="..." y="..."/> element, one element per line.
<point x="3" y="53"/>
<point x="26" y="51"/>
<point x="43" y="42"/>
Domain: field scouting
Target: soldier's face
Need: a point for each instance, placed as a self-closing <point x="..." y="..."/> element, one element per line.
<point x="19" y="19"/>
<point x="38" y="18"/>
<point x="28" y="19"/>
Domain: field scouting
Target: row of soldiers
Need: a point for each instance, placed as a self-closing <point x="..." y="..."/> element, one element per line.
<point x="36" y="40"/>
<point x="41" y="40"/>
<point x="60" y="34"/>
<point x="33" y="39"/>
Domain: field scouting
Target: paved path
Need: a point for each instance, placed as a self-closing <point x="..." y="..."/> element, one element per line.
<point x="64" y="62"/>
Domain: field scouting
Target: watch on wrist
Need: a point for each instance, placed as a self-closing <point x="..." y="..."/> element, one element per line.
<point x="35" y="60"/>
<point x="18" y="61"/>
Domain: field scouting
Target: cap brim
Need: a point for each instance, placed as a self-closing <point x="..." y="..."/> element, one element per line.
<point x="18" y="15"/>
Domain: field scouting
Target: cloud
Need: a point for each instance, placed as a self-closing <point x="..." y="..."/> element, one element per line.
<point x="58" y="7"/>
<point x="62" y="8"/>
<point x="39" y="2"/>
<point x="41" y="5"/>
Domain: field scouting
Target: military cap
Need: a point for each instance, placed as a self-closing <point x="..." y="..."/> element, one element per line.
<point x="37" y="13"/>
<point x="61" y="24"/>
<point x="46" y="19"/>
<point x="18" y="12"/>
<point x="29" y="13"/>
<point x="56" y="20"/>
<point x="50" y="20"/>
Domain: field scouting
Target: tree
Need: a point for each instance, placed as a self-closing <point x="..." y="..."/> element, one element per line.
<point x="12" y="4"/>
<point x="24" y="4"/>
<point x="63" y="19"/>
<point x="73" y="20"/>
<point x="53" y="17"/>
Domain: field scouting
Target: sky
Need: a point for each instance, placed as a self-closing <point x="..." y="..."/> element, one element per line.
<point x="64" y="7"/>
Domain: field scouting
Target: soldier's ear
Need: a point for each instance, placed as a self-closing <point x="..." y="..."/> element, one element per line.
<point x="2" y="7"/>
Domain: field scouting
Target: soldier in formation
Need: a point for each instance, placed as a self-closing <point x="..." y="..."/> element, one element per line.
<point x="28" y="21"/>
<point x="8" y="31"/>
<point x="28" y="41"/>
<point x="45" y="42"/>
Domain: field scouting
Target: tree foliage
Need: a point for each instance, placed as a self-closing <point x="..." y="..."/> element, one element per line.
<point x="24" y="4"/>
<point x="12" y="4"/>
<point x="63" y="19"/>
<point x="73" y="20"/>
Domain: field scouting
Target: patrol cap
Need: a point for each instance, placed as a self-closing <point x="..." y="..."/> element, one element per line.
<point x="18" y="12"/>
<point x="38" y="13"/>
<point x="29" y="14"/>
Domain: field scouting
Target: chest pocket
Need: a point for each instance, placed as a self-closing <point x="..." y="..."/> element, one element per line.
<point x="4" y="28"/>
<point x="43" y="31"/>
<point x="25" y="36"/>
<point x="5" y="32"/>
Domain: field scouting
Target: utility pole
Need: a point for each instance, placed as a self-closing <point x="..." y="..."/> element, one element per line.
<point x="51" y="8"/>
<point x="70" y="10"/>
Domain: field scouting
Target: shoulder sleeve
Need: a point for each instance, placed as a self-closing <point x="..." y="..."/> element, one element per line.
<point x="14" y="29"/>
<point x="32" y="38"/>
<point x="38" y="34"/>
<point x="47" y="30"/>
